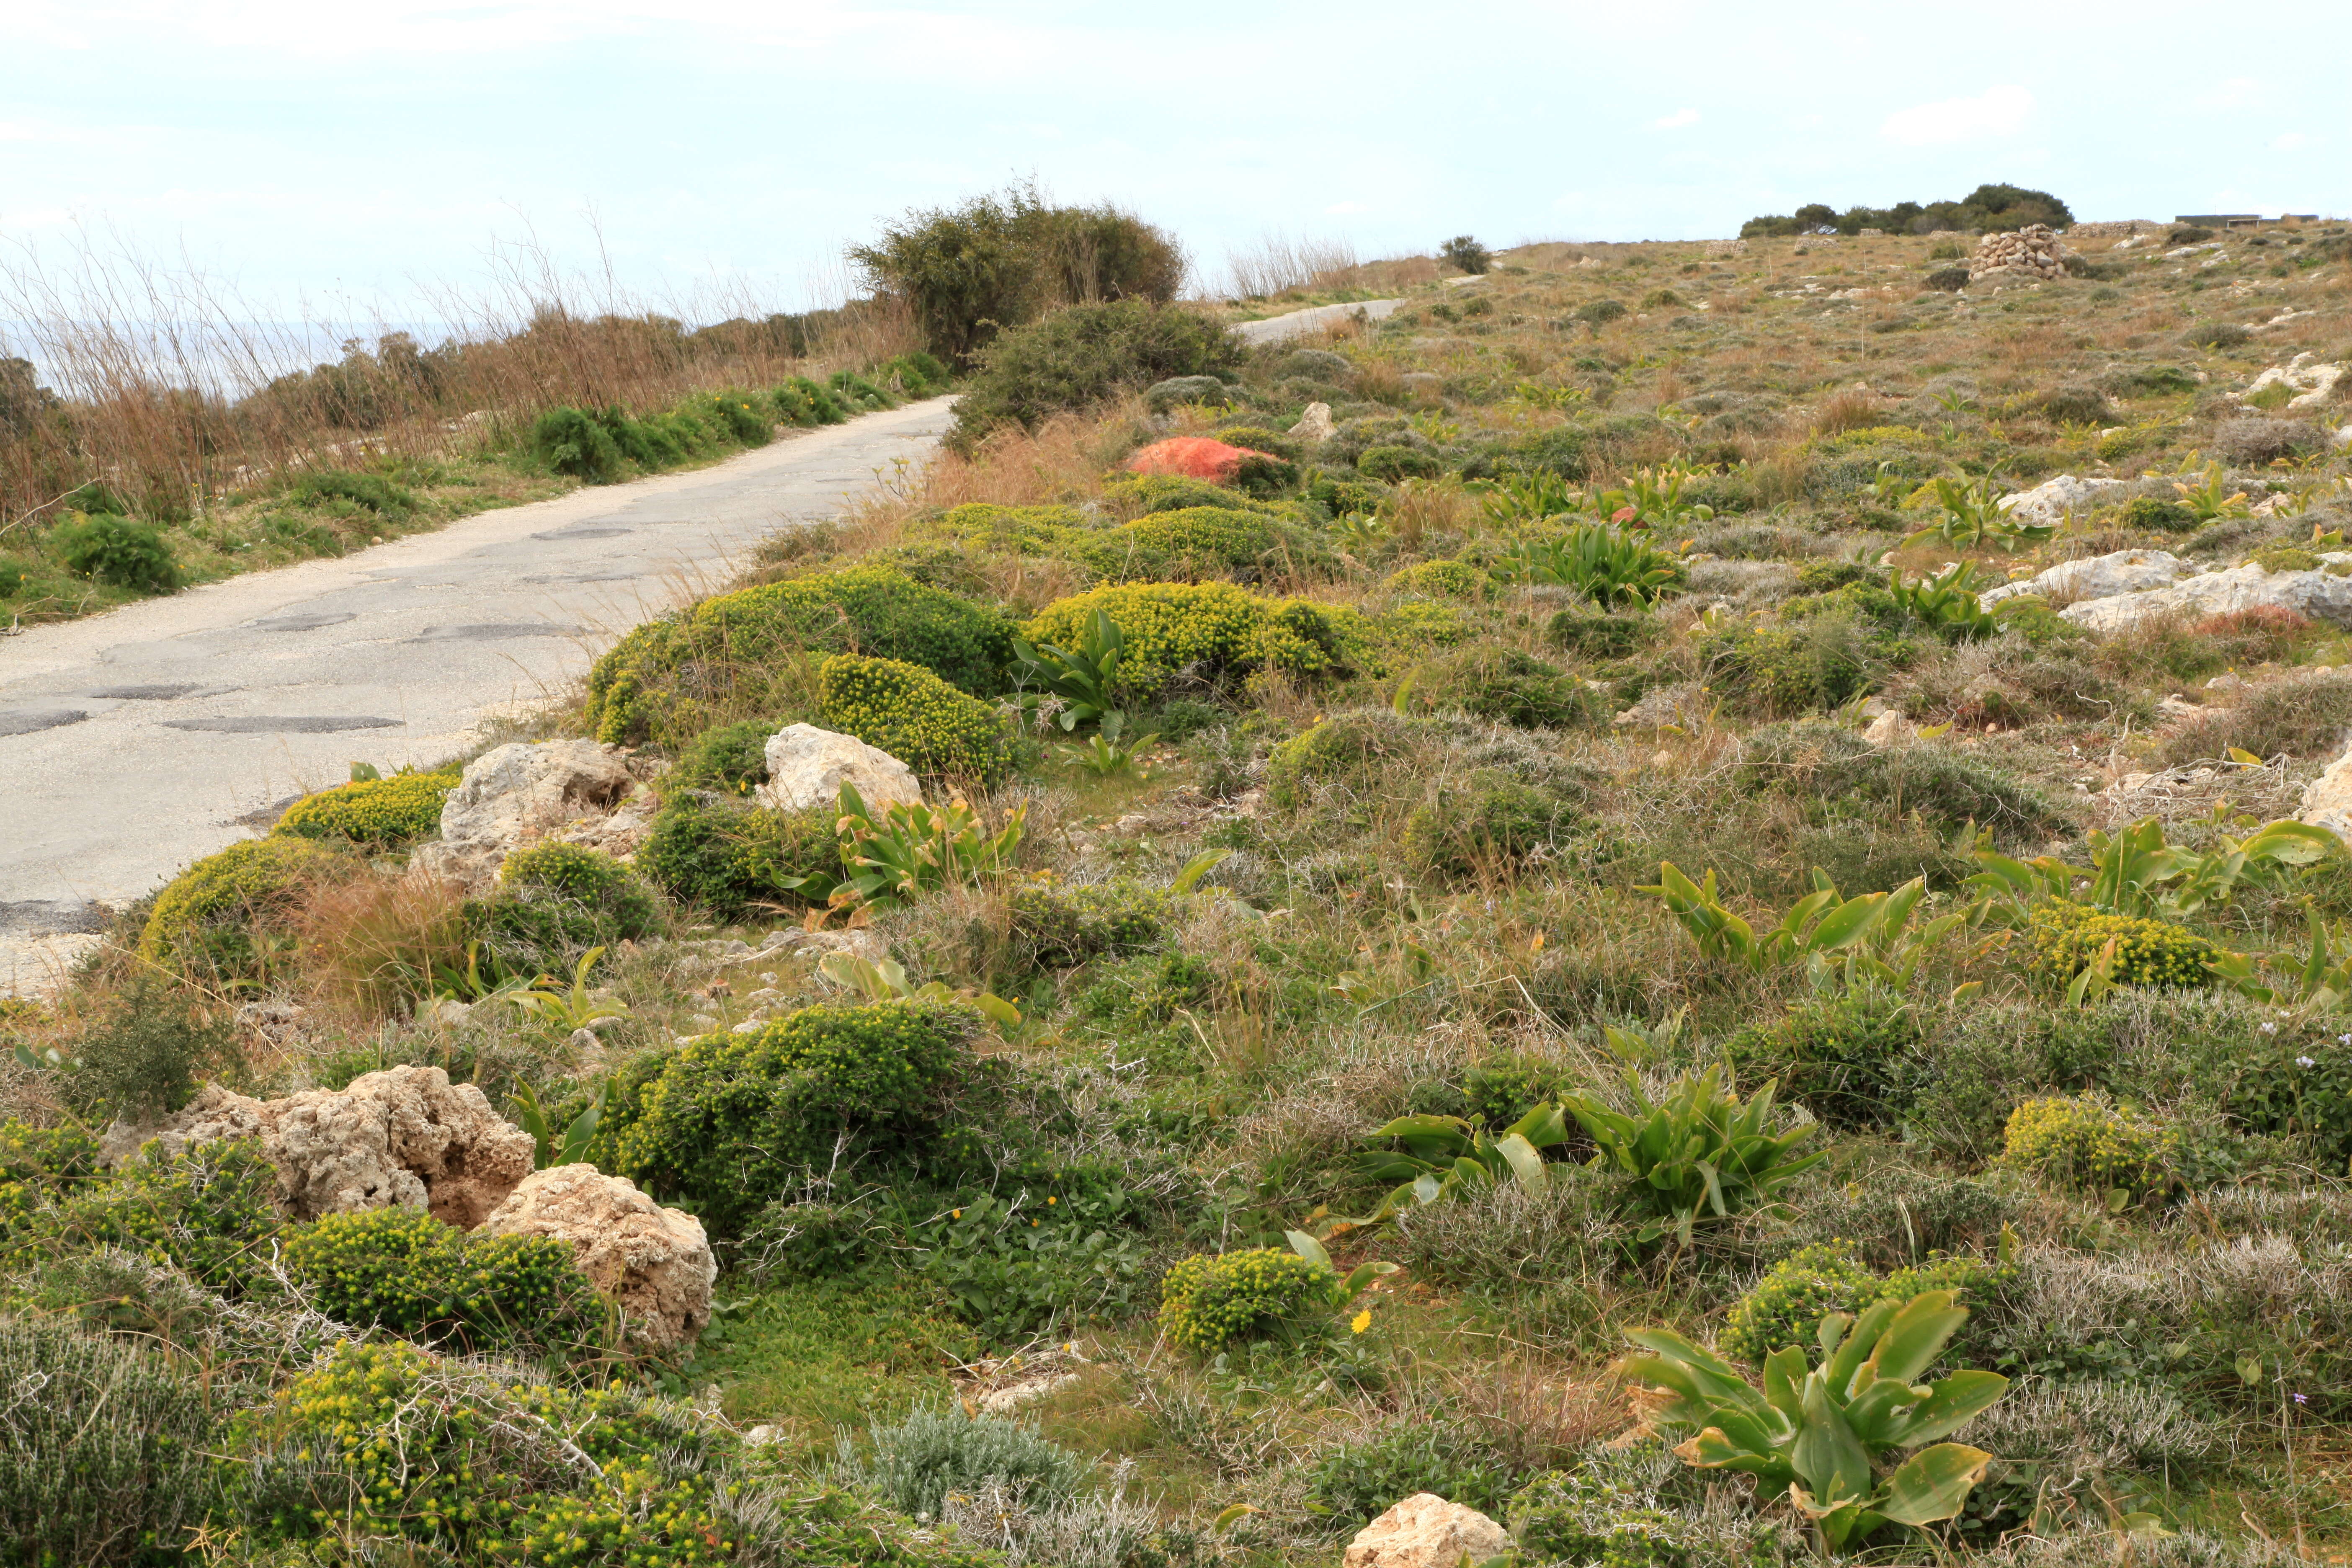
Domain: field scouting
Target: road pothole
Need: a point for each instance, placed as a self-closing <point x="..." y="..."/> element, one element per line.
<point x="286" y="724"/>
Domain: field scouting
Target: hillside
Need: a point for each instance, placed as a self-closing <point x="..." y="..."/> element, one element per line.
<point x="1712" y="790"/>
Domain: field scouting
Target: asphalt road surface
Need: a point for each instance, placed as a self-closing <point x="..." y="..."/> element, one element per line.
<point x="134" y="741"/>
<point x="1299" y="323"/>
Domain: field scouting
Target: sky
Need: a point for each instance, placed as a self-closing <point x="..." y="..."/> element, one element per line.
<point x="396" y="158"/>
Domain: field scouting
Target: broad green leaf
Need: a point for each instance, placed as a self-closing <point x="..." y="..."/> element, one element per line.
<point x="1933" y="1484"/>
<point x="1826" y="1454"/>
<point x="1910" y="1344"/>
<point x="1851" y="923"/>
<point x="1951" y="1403"/>
<point x="1526" y="1164"/>
<point x="1307" y="1246"/>
<point x="1198" y="867"/>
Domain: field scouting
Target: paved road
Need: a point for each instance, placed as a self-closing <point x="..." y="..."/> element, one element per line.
<point x="134" y="741"/>
<point x="1299" y="323"/>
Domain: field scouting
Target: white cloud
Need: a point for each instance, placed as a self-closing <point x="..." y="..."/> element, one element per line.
<point x="1678" y="119"/>
<point x="1996" y="111"/>
<point x="2293" y="142"/>
<point x="1342" y="209"/>
<point x="2233" y="92"/>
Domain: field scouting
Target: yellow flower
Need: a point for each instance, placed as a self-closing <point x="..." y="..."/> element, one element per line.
<point x="1361" y="1321"/>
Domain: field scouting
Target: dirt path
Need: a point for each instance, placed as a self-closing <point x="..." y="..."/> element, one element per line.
<point x="1299" y="323"/>
<point x="134" y="741"/>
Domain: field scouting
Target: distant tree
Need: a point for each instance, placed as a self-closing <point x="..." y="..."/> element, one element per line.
<point x="1985" y="208"/>
<point x="1467" y="254"/>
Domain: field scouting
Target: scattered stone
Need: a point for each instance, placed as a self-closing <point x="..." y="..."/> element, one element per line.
<point x="2032" y="252"/>
<point x="517" y="794"/>
<point x="406" y="1137"/>
<point x="2327" y="799"/>
<point x="1890" y="729"/>
<point x="655" y="1263"/>
<point x="2096" y="577"/>
<point x="1661" y="706"/>
<point x="2312" y="384"/>
<point x="2175" y="706"/>
<point x="1315" y="424"/>
<point x="446" y="1012"/>
<point x="2051" y="500"/>
<point x="807" y="766"/>
<point x="1426" y="1531"/>
<point x="2324" y="594"/>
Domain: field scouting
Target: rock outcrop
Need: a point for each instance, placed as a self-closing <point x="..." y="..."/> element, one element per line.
<point x="2050" y="502"/>
<point x="1315" y="424"/>
<point x="517" y="794"/>
<point x="2032" y="252"/>
<point x="807" y="766"/>
<point x="2322" y="593"/>
<point x="2313" y="383"/>
<point x="405" y="1137"/>
<point x="1424" y="1531"/>
<point x="654" y="1262"/>
<point x="2094" y="577"/>
<point x="2327" y="799"/>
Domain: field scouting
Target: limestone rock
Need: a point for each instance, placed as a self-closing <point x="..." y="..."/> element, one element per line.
<point x="807" y="766"/>
<point x="1424" y="1531"/>
<point x="405" y="1137"/>
<point x="1663" y="705"/>
<point x="2322" y="595"/>
<point x="2327" y="799"/>
<point x="1890" y="729"/>
<point x="621" y="835"/>
<point x="1315" y="424"/>
<point x="654" y="1262"/>
<point x="2096" y="577"/>
<point x="2311" y="383"/>
<point x="2052" y="500"/>
<point x="517" y="794"/>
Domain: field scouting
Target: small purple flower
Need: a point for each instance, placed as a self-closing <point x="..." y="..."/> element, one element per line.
<point x="2304" y="1062"/>
<point x="2303" y="1399"/>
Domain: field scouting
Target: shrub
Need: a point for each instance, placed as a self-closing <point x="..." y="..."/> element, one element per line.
<point x="1951" y="280"/>
<point x="731" y="760"/>
<point x="1855" y="1060"/>
<point x="392" y="1445"/>
<point x="856" y="389"/>
<point x="2215" y="335"/>
<point x="556" y="900"/>
<point x="1836" y="772"/>
<point x="575" y="442"/>
<point x="1594" y="1515"/>
<point x="1143" y="494"/>
<point x="732" y="1120"/>
<point x="1786" y="1307"/>
<point x="1467" y="254"/>
<point x="1077" y="357"/>
<point x="2083" y="1141"/>
<point x="207" y="921"/>
<point x="1258" y="438"/>
<point x="1822" y="662"/>
<point x="141" y="1060"/>
<point x="210" y="1209"/>
<point x="374" y="814"/>
<point x="2311" y="717"/>
<point x="1162" y="396"/>
<point x="12" y="577"/>
<point x="2068" y="937"/>
<point x="105" y="1448"/>
<point x="805" y="402"/>
<point x="1599" y="313"/>
<point x="402" y="1270"/>
<point x="1610" y="635"/>
<point x="661" y="678"/>
<point x="733" y="861"/>
<point x="2075" y="406"/>
<point x="916" y="717"/>
<point x="1183" y="545"/>
<point x="1443" y="580"/>
<point x="1391" y="463"/>
<point x="377" y="494"/>
<point x="1489" y="822"/>
<point x="1512" y="688"/>
<point x="1209" y="632"/>
<point x="116" y="552"/>
<point x="1357" y="1483"/>
<point x="2155" y="512"/>
<point x="918" y="1461"/>
<point x="1205" y="1303"/>
<point x="2250" y="443"/>
<point x="919" y="373"/>
<point x="1061" y="926"/>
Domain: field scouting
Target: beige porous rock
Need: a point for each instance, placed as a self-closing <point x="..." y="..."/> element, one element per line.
<point x="1890" y="729"/>
<point x="1315" y="424"/>
<point x="654" y="1262"/>
<point x="2051" y="500"/>
<point x="2094" y="577"/>
<point x="2032" y="252"/>
<point x="406" y="1137"/>
<point x="2327" y="799"/>
<point x="518" y="794"/>
<point x="807" y="766"/>
<point x="1424" y="1531"/>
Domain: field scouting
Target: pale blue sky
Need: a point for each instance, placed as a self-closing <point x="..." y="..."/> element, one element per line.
<point x="364" y="154"/>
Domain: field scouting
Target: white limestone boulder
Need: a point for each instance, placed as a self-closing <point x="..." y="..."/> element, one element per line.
<point x="2050" y="502"/>
<point x="518" y="794"/>
<point x="2324" y="594"/>
<point x="807" y="766"/>
<point x="1426" y="1531"/>
<point x="655" y="1263"/>
<point x="2327" y="799"/>
<point x="2095" y="577"/>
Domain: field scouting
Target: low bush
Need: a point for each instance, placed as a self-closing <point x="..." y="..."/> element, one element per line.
<point x="733" y="861"/>
<point x="116" y="550"/>
<point x="731" y="1120"/>
<point x="402" y="1270"/>
<point x="1490" y="822"/>
<point x="665" y="678"/>
<point x="1509" y="686"/>
<point x="1604" y="1513"/>
<point x="2084" y="1140"/>
<point x="370" y="491"/>
<point x="1786" y="1307"/>
<point x="143" y="1059"/>
<point x="1443" y="580"/>
<point x="1080" y="356"/>
<point x="2310" y="717"/>
<point x="2068" y="937"/>
<point x="1207" y="1303"/>
<point x="731" y="760"/>
<point x="1390" y="464"/>
<point x="220" y="917"/>
<point x="1836" y="771"/>
<point x="1184" y="545"/>
<point x="1950" y="280"/>
<point x="575" y="442"/>
<point x="2159" y="514"/>
<point x="916" y="717"/>
<point x="1357" y="1483"/>
<point x="1059" y="925"/>
<point x="1210" y="632"/>
<point x="211" y="1210"/>
<point x="556" y="900"/>
<point x="106" y="1449"/>
<point x="1822" y="662"/>
<point x="373" y="814"/>
<point x="917" y="1462"/>
<point x="1855" y="1060"/>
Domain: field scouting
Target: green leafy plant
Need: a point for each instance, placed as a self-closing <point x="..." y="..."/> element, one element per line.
<point x="116" y="550"/>
<point x="1653" y="498"/>
<point x="567" y="1010"/>
<point x="1946" y="602"/>
<point x="1698" y="1153"/>
<point x="2085" y="1141"/>
<point x="1107" y="754"/>
<point x="1073" y="684"/>
<point x="2210" y="498"/>
<point x="1972" y="515"/>
<point x="885" y="980"/>
<point x="2134" y="871"/>
<point x="916" y="848"/>
<point x="1206" y="1302"/>
<point x="1445" y="1157"/>
<point x="1515" y="501"/>
<point x="404" y="1269"/>
<point x="549" y="1148"/>
<point x="1604" y="561"/>
<point x="1868" y="939"/>
<point x="1818" y="1434"/>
